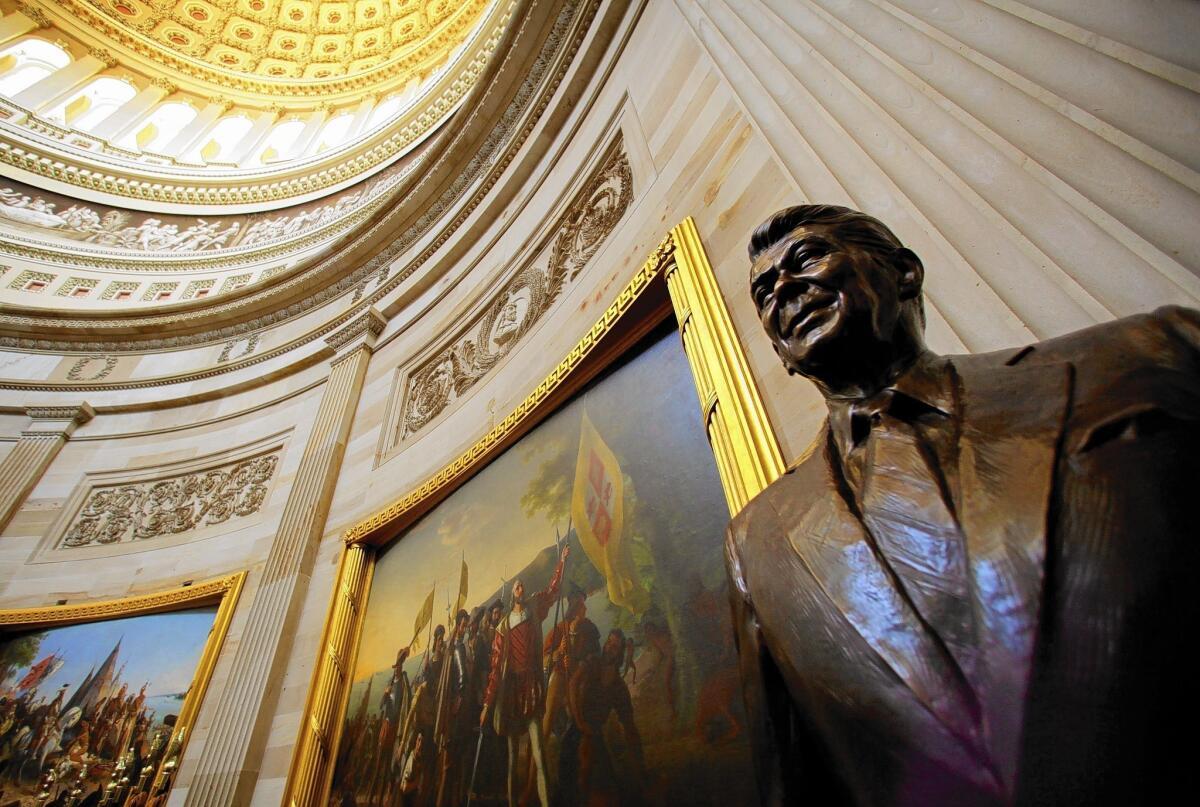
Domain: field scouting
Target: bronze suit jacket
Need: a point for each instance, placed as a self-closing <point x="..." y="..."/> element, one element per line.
<point x="1046" y="661"/>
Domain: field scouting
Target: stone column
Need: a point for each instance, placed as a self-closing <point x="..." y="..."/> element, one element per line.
<point x="197" y="130"/>
<point x="44" y="93"/>
<point x="22" y="467"/>
<point x="131" y="113"/>
<point x="228" y="765"/>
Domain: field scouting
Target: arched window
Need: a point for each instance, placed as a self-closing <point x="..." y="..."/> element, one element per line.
<point x="221" y="140"/>
<point x="159" y="128"/>
<point x="93" y="103"/>
<point x="387" y="109"/>
<point x="279" y="142"/>
<point x="335" y="132"/>
<point x="31" y="61"/>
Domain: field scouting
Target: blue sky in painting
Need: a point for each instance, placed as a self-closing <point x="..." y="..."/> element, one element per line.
<point x="162" y="649"/>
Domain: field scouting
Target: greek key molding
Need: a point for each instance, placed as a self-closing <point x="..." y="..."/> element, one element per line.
<point x="181" y="597"/>
<point x="522" y="301"/>
<point x="491" y="160"/>
<point x="115" y="508"/>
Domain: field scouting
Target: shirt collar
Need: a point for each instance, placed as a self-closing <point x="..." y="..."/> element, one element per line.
<point x="924" y="388"/>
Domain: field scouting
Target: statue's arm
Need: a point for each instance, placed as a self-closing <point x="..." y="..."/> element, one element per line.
<point x="768" y="706"/>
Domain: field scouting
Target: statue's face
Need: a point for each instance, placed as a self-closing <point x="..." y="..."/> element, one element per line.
<point x="823" y="301"/>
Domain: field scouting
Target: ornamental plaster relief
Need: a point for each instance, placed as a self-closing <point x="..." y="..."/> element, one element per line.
<point x="114" y="512"/>
<point x="522" y="302"/>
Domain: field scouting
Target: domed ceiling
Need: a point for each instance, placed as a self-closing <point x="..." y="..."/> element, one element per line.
<point x="312" y="40"/>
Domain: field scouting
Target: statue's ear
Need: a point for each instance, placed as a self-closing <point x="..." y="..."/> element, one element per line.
<point x="912" y="272"/>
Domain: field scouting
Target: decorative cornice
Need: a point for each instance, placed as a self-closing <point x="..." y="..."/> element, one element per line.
<point x="78" y="415"/>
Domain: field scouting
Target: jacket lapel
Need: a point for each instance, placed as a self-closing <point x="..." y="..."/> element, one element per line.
<point x="1012" y="421"/>
<point x="830" y="540"/>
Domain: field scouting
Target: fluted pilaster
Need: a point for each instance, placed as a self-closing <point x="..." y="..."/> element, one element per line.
<point x="48" y="431"/>
<point x="227" y="768"/>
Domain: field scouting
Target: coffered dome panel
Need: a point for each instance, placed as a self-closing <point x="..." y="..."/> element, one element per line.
<point x="316" y="40"/>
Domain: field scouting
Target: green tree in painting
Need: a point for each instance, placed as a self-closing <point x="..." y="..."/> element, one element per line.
<point x="18" y="653"/>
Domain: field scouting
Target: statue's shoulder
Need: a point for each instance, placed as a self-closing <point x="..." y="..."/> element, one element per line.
<point x="788" y="494"/>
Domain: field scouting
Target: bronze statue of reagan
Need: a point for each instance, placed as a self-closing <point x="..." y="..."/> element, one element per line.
<point x="981" y="586"/>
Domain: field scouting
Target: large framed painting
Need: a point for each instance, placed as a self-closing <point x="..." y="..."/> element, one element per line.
<point x="97" y="699"/>
<point x="546" y="620"/>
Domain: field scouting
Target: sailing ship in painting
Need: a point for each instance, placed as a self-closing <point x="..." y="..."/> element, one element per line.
<point x="99" y="738"/>
<point x="598" y="668"/>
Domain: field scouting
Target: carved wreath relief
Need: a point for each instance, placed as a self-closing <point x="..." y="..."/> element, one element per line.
<point x="125" y="512"/>
<point x="591" y="216"/>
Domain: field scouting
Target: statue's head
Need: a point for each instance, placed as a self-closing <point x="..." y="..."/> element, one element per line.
<point x="837" y="294"/>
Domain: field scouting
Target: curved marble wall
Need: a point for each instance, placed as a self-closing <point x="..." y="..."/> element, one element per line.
<point x="1040" y="156"/>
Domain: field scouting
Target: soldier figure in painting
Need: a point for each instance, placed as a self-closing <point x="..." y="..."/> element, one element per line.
<point x="516" y="691"/>
<point x="977" y="589"/>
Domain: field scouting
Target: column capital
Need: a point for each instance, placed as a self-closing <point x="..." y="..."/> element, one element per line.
<point x="35" y="14"/>
<point x="104" y="56"/>
<point x="49" y="421"/>
<point x="360" y="332"/>
<point x="163" y="84"/>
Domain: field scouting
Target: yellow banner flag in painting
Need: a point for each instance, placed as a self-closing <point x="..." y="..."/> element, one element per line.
<point x="462" y="589"/>
<point x="423" y="617"/>
<point x="596" y="508"/>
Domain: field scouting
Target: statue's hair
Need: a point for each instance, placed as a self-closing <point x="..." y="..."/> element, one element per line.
<point x="857" y="228"/>
<point x="852" y="226"/>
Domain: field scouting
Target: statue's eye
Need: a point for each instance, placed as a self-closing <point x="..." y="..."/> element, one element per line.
<point x="763" y="289"/>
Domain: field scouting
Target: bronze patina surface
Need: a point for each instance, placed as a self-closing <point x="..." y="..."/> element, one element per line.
<point x="978" y="590"/>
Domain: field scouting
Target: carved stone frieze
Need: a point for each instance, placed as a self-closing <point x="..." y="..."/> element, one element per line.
<point x="125" y="512"/>
<point x="524" y="300"/>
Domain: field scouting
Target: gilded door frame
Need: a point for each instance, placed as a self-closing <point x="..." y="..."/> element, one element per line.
<point x="677" y="277"/>
<point x="221" y="591"/>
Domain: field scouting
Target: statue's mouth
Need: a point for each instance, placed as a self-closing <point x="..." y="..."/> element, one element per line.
<point x="812" y="312"/>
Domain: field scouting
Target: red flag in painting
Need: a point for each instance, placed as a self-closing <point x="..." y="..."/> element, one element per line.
<point x="596" y="508"/>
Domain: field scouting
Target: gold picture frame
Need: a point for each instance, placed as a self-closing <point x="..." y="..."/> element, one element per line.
<point x="676" y="278"/>
<point x="221" y="591"/>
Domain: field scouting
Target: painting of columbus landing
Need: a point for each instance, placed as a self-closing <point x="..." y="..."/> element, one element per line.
<point x="557" y="631"/>
<point x="87" y="711"/>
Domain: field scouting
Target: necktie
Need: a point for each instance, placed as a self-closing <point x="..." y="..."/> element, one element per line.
<point x="919" y="538"/>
